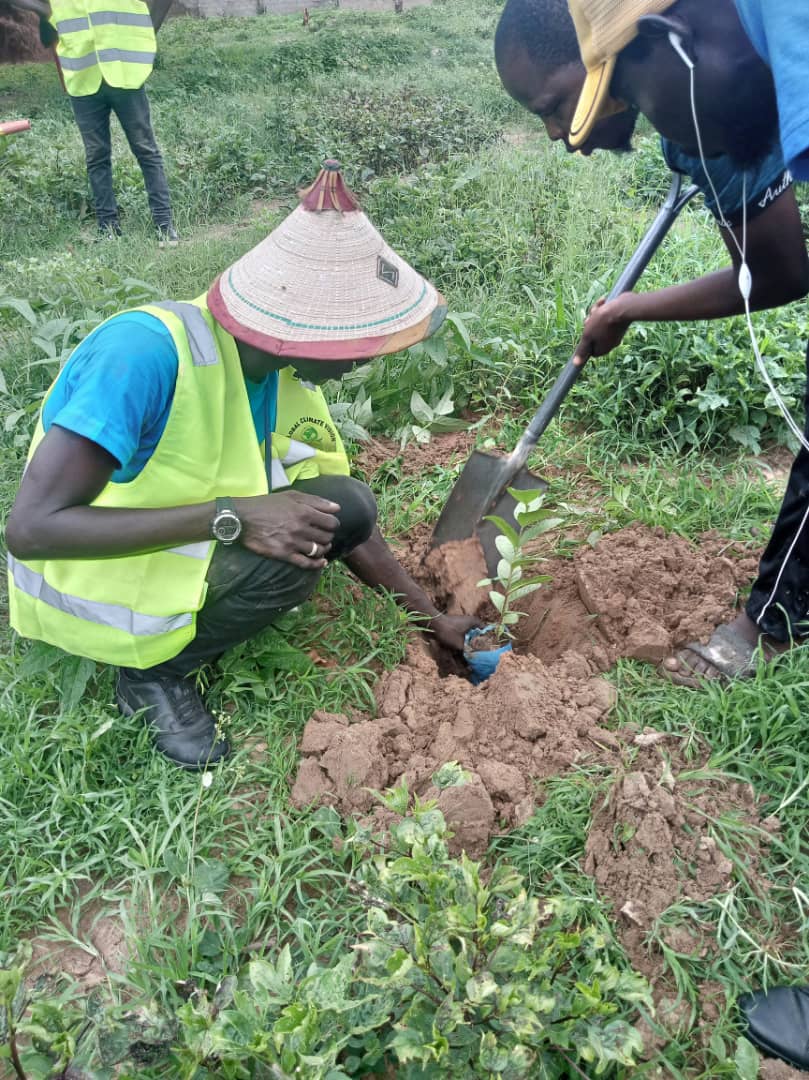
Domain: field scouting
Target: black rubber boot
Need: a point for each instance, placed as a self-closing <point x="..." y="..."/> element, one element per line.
<point x="184" y="730"/>
<point x="778" y="1022"/>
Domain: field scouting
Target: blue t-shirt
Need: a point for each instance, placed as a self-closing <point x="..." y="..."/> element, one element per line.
<point x="118" y="386"/>
<point x="765" y="181"/>
<point x="779" y="31"/>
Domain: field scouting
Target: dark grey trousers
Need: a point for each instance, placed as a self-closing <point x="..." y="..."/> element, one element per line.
<point x="247" y="593"/>
<point x="92" y="115"/>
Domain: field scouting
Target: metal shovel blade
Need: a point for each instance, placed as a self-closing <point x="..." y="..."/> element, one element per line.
<point x="481" y="490"/>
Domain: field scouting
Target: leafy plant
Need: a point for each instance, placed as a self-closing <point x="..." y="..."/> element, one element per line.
<point x="511" y="584"/>
<point x="453" y="976"/>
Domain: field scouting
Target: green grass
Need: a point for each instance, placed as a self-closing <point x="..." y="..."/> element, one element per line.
<point x="521" y="238"/>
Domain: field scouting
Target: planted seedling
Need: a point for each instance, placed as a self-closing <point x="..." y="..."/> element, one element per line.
<point x="514" y="580"/>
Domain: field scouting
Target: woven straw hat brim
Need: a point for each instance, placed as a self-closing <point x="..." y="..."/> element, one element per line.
<point x="326" y="286"/>
<point x="351" y="349"/>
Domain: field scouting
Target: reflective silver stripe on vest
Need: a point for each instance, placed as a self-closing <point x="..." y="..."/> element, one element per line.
<point x="70" y="26"/>
<point x="125" y="56"/>
<point x="278" y="477"/>
<point x="78" y="63"/>
<point x="94" y="611"/>
<point x="192" y="551"/>
<point x="200" y="336"/>
<point x="122" y="18"/>
<point x="298" y="451"/>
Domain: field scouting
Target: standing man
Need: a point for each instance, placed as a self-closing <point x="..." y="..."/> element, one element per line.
<point x="728" y="77"/>
<point x="105" y="52"/>
<point x="540" y="65"/>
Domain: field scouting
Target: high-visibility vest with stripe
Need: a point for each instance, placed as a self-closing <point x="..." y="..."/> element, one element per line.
<point x="139" y="610"/>
<point x="113" y="40"/>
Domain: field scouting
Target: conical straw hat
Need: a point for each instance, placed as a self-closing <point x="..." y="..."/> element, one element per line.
<point x="324" y="285"/>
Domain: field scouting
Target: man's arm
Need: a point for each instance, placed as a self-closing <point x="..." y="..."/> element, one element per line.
<point x="776" y="255"/>
<point x="158" y="9"/>
<point x="52" y="517"/>
<point x="374" y="564"/>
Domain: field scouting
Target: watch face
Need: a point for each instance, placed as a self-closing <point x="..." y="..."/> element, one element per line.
<point x="226" y="526"/>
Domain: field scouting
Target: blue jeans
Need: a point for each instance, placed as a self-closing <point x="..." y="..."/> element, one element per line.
<point x="92" y="115"/>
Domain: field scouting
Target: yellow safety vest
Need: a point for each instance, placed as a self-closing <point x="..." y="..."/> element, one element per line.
<point x="113" y="40"/>
<point x="139" y="610"/>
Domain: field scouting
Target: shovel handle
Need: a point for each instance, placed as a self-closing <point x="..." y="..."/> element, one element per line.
<point x="676" y="199"/>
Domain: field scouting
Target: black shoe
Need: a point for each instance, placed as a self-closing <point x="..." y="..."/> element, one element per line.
<point x="110" y="230"/>
<point x="184" y="729"/>
<point x="778" y="1022"/>
<point x="167" y="236"/>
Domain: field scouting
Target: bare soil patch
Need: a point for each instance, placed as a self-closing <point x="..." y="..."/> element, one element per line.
<point x="441" y="451"/>
<point x="651" y="845"/>
<point x="99" y="948"/>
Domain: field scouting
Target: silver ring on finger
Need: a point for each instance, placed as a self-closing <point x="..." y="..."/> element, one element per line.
<point x="311" y="554"/>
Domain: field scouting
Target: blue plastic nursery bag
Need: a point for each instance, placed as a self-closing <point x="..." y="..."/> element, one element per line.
<point x="482" y="665"/>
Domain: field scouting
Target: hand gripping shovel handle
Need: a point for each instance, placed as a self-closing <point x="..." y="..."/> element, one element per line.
<point x="676" y="199"/>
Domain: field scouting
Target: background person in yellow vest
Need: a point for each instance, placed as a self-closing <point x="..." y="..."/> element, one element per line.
<point x="106" y="50"/>
<point x="143" y="534"/>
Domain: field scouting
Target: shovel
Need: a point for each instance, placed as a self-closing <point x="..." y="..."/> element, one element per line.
<point x="481" y="489"/>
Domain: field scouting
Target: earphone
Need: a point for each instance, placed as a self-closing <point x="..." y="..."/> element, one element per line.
<point x="677" y="44"/>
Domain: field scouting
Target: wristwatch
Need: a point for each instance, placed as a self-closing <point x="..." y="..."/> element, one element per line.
<point x="226" y="526"/>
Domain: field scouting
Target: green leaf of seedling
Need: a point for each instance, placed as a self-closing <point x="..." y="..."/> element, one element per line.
<point x="484" y="583"/>
<point x="525" y="590"/>
<point x="526" y="497"/>
<point x="506" y="547"/>
<point x="539" y="521"/>
<point x="504" y="527"/>
<point x="497" y="599"/>
<point x="503" y="572"/>
<point x="512" y="617"/>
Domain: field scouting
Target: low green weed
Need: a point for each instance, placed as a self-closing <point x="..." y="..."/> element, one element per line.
<point x="450" y="978"/>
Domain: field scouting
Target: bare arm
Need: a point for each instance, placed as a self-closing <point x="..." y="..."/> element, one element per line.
<point x="776" y="255"/>
<point x="375" y="564"/>
<point x="52" y="517"/>
<point x="159" y="9"/>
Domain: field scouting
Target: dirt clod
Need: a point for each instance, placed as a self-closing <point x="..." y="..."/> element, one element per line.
<point x="523" y="724"/>
<point x="651" y="846"/>
<point x="651" y="592"/>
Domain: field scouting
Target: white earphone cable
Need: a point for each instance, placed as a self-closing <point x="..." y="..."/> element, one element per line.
<point x="745" y="277"/>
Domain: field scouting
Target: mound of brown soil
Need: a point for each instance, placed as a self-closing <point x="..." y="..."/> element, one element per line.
<point x="638" y="594"/>
<point x="651" y="845"/>
<point x="527" y="722"/>
<point x="651" y="592"/>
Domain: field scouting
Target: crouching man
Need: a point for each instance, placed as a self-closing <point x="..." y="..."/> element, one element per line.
<point x="186" y="485"/>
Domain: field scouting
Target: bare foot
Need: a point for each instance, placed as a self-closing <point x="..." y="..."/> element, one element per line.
<point x="730" y="654"/>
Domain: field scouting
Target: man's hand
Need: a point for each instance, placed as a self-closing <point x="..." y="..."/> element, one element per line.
<point x="604" y="329"/>
<point x="450" y="630"/>
<point x="290" y="526"/>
